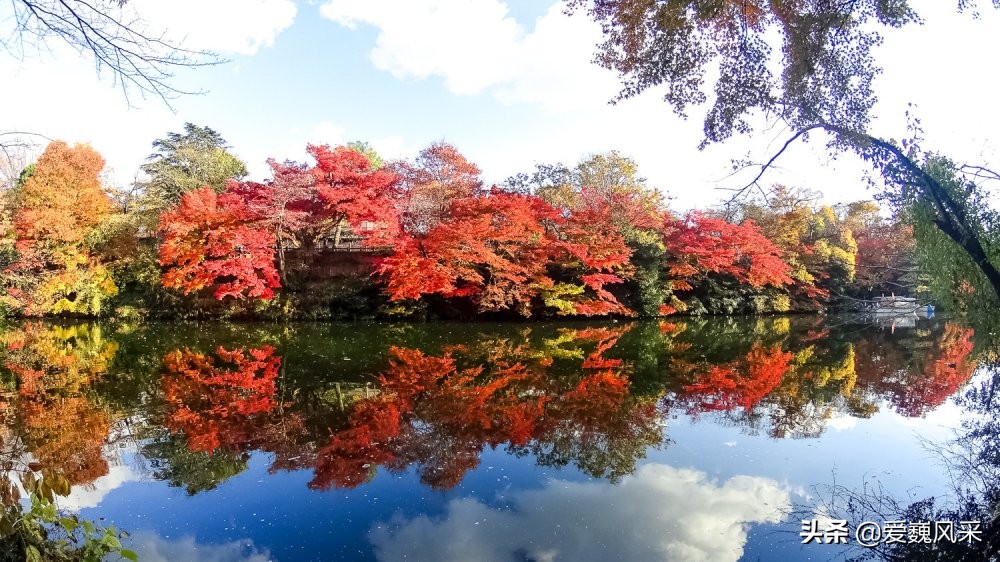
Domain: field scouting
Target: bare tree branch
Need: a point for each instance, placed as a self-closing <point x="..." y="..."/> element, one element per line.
<point x="755" y="182"/>
<point x="979" y="172"/>
<point x="138" y="58"/>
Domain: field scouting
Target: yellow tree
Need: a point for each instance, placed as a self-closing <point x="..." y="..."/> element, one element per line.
<point x="59" y="205"/>
<point x="816" y="242"/>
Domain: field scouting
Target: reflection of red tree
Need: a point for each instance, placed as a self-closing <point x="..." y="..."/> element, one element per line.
<point x="739" y="384"/>
<point x="437" y="416"/>
<point x="946" y="367"/>
<point x="606" y="338"/>
<point x="880" y="365"/>
<point x="212" y="398"/>
<point x="351" y="456"/>
<point x="915" y="385"/>
<point x="460" y="410"/>
<point x="590" y="402"/>
<point x="30" y="381"/>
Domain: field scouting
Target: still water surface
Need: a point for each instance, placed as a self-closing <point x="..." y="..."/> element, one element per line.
<point x="684" y="440"/>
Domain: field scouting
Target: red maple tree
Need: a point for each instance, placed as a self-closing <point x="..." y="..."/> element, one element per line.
<point x="699" y="244"/>
<point x="507" y="251"/>
<point x="354" y="195"/>
<point x="214" y="241"/>
<point x="288" y="205"/>
<point x="440" y="175"/>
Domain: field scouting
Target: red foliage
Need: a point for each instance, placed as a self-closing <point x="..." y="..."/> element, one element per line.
<point x="884" y="251"/>
<point x="632" y="208"/>
<point x="699" y="244"/>
<point x="499" y="250"/>
<point x="350" y="458"/>
<point x="211" y="398"/>
<point x="606" y="338"/>
<point x="946" y="367"/>
<point x="351" y="192"/>
<point x="211" y="240"/>
<point x="433" y="414"/>
<point x="286" y="204"/>
<point x="440" y="175"/>
<point x="742" y="383"/>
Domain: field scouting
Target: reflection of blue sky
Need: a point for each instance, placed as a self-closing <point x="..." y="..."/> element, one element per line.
<point x="659" y="513"/>
<point x="887" y="446"/>
<point x="699" y="485"/>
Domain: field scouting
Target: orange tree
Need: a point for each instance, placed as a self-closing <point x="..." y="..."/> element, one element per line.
<point x="59" y="205"/>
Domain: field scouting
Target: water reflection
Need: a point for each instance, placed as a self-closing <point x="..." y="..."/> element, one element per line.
<point x="972" y="460"/>
<point x="152" y="548"/>
<point x="437" y="415"/>
<point x="658" y="513"/>
<point x="193" y="407"/>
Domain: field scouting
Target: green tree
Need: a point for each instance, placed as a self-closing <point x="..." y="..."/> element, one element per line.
<point x="368" y="150"/>
<point x="184" y="162"/>
<point x="26" y="173"/>
<point x="957" y="250"/>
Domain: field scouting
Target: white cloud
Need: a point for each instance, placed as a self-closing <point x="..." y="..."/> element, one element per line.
<point x="227" y="26"/>
<point x="464" y="41"/>
<point x="91" y="495"/>
<point x="59" y="96"/>
<point x="153" y="548"/>
<point x="659" y="513"/>
<point x="555" y="68"/>
<point x="475" y="46"/>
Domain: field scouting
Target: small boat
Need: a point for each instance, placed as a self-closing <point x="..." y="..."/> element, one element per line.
<point x="897" y="305"/>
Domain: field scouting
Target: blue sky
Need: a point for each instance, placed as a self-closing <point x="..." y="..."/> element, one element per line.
<point x="510" y="83"/>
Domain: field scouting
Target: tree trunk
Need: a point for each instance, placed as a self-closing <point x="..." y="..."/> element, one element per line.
<point x="951" y="218"/>
<point x="279" y="247"/>
<point x="336" y="236"/>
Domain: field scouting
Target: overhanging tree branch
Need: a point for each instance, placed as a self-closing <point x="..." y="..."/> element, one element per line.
<point x="138" y="58"/>
<point x="950" y="217"/>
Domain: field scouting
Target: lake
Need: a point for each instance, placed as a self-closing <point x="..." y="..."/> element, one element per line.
<point x="689" y="439"/>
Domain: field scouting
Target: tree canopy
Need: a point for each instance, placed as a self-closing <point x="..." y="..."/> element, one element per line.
<point x="183" y="162"/>
<point x="823" y="69"/>
<point x="59" y="205"/>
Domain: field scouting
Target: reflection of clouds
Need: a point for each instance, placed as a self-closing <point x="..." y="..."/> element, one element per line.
<point x="90" y="495"/>
<point x="660" y="513"/>
<point x="941" y="420"/>
<point x="153" y="548"/>
<point x="841" y="422"/>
